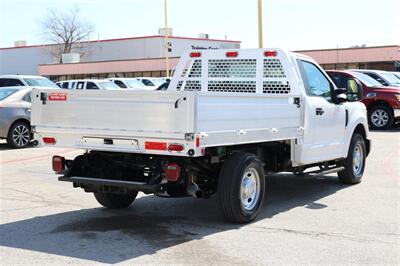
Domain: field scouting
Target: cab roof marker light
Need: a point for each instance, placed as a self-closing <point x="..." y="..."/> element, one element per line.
<point x="270" y="53"/>
<point x="195" y="54"/>
<point x="232" y="54"/>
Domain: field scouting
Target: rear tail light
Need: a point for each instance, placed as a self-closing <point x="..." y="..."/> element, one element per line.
<point x="49" y="140"/>
<point x="195" y="54"/>
<point x="172" y="172"/>
<point x="270" y="53"/>
<point x="176" y="147"/>
<point x="232" y="54"/>
<point x="58" y="164"/>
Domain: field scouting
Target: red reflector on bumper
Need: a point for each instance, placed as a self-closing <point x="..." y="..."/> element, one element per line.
<point x="172" y="172"/>
<point x="58" y="164"/>
<point x="158" y="146"/>
<point x="49" y="140"/>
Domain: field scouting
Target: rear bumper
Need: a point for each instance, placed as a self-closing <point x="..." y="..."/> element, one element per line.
<point x="90" y="184"/>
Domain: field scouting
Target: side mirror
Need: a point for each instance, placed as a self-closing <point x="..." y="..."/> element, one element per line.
<point x="354" y="90"/>
<point x="340" y="95"/>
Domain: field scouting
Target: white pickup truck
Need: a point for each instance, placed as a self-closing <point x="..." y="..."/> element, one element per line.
<point x="228" y="119"/>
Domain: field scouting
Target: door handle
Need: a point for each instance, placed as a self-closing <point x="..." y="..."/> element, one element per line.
<point x="319" y="111"/>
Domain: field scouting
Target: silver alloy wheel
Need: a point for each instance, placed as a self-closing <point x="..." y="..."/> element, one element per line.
<point x="379" y="118"/>
<point x="250" y="189"/>
<point x="21" y="135"/>
<point x="358" y="160"/>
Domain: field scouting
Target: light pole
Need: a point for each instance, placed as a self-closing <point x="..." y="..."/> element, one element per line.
<point x="260" y="29"/>
<point x="166" y="48"/>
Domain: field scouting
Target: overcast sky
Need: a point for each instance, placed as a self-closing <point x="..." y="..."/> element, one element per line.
<point x="290" y="24"/>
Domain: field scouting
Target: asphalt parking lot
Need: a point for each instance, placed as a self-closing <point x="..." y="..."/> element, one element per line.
<point x="305" y="220"/>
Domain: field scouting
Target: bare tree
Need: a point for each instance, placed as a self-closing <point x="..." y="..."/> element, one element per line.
<point x="66" y="31"/>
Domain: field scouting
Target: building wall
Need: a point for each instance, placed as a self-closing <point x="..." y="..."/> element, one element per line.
<point x="382" y="57"/>
<point x="25" y="60"/>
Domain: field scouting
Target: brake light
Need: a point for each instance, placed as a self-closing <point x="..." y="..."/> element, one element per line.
<point x="172" y="172"/>
<point x="49" y="140"/>
<point x="175" y="147"/>
<point x="58" y="164"/>
<point x="270" y="53"/>
<point x="232" y="54"/>
<point x="158" y="146"/>
<point x="195" y="54"/>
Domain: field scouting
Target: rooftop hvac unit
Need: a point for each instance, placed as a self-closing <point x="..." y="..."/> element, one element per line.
<point x="161" y="31"/>
<point x="71" y="58"/>
<point x="20" y="43"/>
<point x="204" y="36"/>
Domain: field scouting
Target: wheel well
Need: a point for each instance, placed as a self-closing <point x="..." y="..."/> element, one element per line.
<point x="20" y="120"/>
<point x="361" y="130"/>
<point x="380" y="102"/>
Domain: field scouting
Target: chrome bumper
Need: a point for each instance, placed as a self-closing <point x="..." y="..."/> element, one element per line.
<point x="396" y="112"/>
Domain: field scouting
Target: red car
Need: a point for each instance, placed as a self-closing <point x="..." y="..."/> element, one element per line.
<point x="383" y="103"/>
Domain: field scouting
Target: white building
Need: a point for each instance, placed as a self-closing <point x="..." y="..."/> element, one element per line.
<point x="125" y="57"/>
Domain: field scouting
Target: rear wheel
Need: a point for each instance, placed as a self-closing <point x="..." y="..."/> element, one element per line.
<point x="354" y="164"/>
<point x="241" y="188"/>
<point x="19" y="135"/>
<point x="115" y="201"/>
<point x="381" y="117"/>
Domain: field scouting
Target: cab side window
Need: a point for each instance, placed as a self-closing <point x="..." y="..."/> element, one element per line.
<point x="339" y="79"/>
<point x="315" y="83"/>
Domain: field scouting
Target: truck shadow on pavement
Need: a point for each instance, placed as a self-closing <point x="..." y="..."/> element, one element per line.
<point x="153" y="224"/>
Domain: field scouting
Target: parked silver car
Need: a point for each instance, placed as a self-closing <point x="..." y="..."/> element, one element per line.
<point x="15" y="115"/>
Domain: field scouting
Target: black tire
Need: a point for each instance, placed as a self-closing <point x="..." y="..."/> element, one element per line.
<point x="230" y="181"/>
<point x="352" y="174"/>
<point x="381" y="117"/>
<point x="19" y="135"/>
<point x="115" y="201"/>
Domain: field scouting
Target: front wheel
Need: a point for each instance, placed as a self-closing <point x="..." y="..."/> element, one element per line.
<point x="354" y="164"/>
<point x="381" y="117"/>
<point x="115" y="201"/>
<point x="241" y="187"/>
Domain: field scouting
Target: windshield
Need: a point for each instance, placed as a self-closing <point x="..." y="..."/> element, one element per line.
<point x="108" y="85"/>
<point x="391" y="78"/>
<point x="4" y="93"/>
<point x="367" y="80"/>
<point x="134" y="83"/>
<point x="40" y="82"/>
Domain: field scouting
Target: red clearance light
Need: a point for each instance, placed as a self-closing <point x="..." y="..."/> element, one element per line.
<point x="158" y="146"/>
<point x="197" y="141"/>
<point x="49" y="140"/>
<point x="172" y="172"/>
<point x="232" y="54"/>
<point x="176" y="147"/>
<point x="195" y="54"/>
<point x="270" y="53"/>
<point x="58" y="164"/>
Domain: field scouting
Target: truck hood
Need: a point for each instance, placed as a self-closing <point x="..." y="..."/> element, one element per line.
<point x="387" y="90"/>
